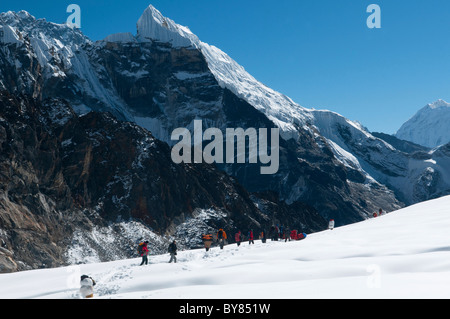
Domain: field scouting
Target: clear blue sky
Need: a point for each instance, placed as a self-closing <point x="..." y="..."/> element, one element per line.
<point x="318" y="52"/>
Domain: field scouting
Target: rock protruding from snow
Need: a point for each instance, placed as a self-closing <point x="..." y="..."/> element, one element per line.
<point x="429" y="126"/>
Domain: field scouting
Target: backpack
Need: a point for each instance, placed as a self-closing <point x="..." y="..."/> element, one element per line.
<point x="139" y="248"/>
<point x="88" y="277"/>
<point x="207" y="237"/>
<point x="301" y="236"/>
<point x="294" y="234"/>
<point x="172" y="248"/>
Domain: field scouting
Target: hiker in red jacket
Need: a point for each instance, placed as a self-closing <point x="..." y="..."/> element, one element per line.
<point x="144" y="253"/>
<point x="250" y="237"/>
<point x="238" y="237"/>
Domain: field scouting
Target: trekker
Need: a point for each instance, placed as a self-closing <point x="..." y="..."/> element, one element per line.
<point x="250" y="237"/>
<point x="271" y="232"/>
<point x="87" y="286"/>
<point x="144" y="252"/>
<point x="173" y="252"/>
<point x="238" y="238"/>
<point x="274" y="234"/>
<point x="331" y="224"/>
<point x="262" y="236"/>
<point x="207" y="241"/>
<point x="221" y="237"/>
<point x="286" y="234"/>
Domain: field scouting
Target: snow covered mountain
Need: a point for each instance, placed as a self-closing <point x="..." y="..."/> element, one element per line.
<point x="429" y="126"/>
<point x="415" y="175"/>
<point x="164" y="78"/>
<point x="401" y="255"/>
<point x="370" y="162"/>
<point x="281" y="110"/>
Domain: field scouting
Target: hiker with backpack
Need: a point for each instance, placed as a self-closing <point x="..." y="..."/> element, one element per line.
<point x="238" y="238"/>
<point x="173" y="252"/>
<point x="143" y="251"/>
<point x="207" y="240"/>
<point x="87" y="286"/>
<point x="331" y="224"/>
<point x="221" y="236"/>
<point x="262" y="236"/>
<point x="274" y="233"/>
<point x="287" y="234"/>
<point x="250" y="237"/>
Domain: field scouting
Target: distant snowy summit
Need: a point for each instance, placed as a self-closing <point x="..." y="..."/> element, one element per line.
<point x="430" y="126"/>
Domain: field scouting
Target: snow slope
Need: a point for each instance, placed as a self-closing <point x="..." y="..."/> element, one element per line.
<point x="403" y="254"/>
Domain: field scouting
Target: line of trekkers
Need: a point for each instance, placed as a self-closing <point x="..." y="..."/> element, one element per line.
<point x="275" y="233"/>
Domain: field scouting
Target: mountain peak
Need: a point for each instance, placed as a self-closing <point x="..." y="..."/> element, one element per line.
<point x="22" y="23"/>
<point x="438" y="104"/>
<point x="153" y="26"/>
<point x="21" y="15"/>
<point x="429" y="126"/>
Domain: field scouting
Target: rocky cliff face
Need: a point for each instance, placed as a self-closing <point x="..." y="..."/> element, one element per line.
<point x="37" y="212"/>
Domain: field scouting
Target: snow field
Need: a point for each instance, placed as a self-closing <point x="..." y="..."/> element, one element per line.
<point x="403" y="254"/>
